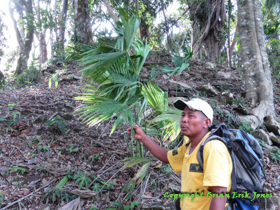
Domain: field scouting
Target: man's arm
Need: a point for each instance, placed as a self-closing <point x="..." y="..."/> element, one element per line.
<point x="218" y="203"/>
<point x="158" y="151"/>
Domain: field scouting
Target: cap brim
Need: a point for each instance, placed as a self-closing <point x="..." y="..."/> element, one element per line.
<point x="179" y="104"/>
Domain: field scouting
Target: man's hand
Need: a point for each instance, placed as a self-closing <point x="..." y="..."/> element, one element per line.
<point x="139" y="133"/>
<point x="159" y="152"/>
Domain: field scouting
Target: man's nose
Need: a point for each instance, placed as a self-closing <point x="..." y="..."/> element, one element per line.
<point x="184" y="119"/>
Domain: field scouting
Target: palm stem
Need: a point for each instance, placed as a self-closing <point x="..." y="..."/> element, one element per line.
<point x="126" y="139"/>
<point x="131" y="142"/>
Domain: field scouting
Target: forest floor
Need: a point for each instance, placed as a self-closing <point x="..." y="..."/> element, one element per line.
<point x="36" y="156"/>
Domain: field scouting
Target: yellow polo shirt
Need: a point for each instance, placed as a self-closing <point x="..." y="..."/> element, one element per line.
<point x="217" y="172"/>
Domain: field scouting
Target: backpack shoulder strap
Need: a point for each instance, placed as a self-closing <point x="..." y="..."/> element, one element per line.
<point x="201" y="160"/>
<point x="200" y="150"/>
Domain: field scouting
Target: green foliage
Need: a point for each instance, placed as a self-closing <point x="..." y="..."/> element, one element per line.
<point x="245" y="126"/>
<point x="166" y="169"/>
<point x="12" y="120"/>
<point x="35" y="140"/>
<point x="29" y="76"/>
<point x="16" y="168"/>
<point x="71" y="148"/>
<point x="83" y="179"/>
<point x="132" y="205"/>
<point x="67" y="197"/>
<point x="116" y="71"/>
<point x="180" y="63"/>
<point x="43" y="169"/>
<point x="56" y="123"/>
<point x="11" y="106"/>
<point x="238" y="100"/>
<point x="56" y="191"/>
<point x="2" y="198"/>
<point x="154" y="184"/>
<point x="275" y="155"/>
<point x="43" y="148"/>
<point x="214" y="103"/>
<point x="96" y="187"/>
<point x="262" y="143"/>
<point x="230" y="119"/>
<point x="141" y="172"/>
<point x="15" y="117"/>
<point x="70" y="172"/>
<point x="109" y="185"/>
<point x="95" y="157"/>
<point x="54" y="78"/>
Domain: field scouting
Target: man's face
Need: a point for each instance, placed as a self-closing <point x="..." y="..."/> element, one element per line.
<point x="192" y="122"/>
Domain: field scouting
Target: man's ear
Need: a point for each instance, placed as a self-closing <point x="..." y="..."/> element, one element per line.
<point x="207" y="123"/>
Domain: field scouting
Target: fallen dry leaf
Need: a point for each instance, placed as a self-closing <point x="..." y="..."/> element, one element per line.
<point x="73" y="205"/>
<point x="25" y="131"/>
<point x="83" y="193"/>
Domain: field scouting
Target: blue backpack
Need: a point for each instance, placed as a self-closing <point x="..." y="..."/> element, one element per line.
<point x="245" y="153"/>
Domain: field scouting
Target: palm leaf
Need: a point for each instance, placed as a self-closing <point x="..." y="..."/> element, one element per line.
<point x="156" y="97"/>
<point x="142" y="172"/>
<point x="131" y="25"/>
<point x="134" y="161"/>
<point x="171" y="118"/>
<point x="101" y="64"/>
<point x="141" y="50"/>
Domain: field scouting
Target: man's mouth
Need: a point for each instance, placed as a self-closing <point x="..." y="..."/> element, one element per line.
<point x="183" y="128"/>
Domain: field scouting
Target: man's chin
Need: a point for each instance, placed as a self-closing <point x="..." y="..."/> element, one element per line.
<point x="185" y="133"/>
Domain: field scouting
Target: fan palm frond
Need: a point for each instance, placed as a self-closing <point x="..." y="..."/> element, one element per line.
<point x="141" y="50"/>
<point x="157" y="99"/>
<point x="171" y="119"/>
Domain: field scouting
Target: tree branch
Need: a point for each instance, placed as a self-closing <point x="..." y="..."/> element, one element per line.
<point x="110" y="11"/>
<point x="11" y="204"/>
<point x="23" y="2"/>
<point x="19" y="38"/>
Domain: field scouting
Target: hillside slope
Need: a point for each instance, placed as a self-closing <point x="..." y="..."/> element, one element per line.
<point x="42" y="141"/>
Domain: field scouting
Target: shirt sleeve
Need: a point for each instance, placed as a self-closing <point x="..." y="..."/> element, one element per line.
<point x="175" y="158"/>
<point x="217" y="165"/>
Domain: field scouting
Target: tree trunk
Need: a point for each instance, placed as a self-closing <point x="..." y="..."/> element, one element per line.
<point x="55" y="19"/>
<point x="25" y="42"/>
<point x="258" y="83"/>
<point x="229" y="52"/>
<point x="213" y="45"/>
<point x="39" y="33"/>
<point x="62" y="20"/>
<point x="208" y="18"/>
<point x="2" y="79"/>
<point x="144" y="31"/>
<point x="83" y="32"/>
<point x="43" y="43"/>
<point x="110" y="11"/>
<point x="233" y="41"/>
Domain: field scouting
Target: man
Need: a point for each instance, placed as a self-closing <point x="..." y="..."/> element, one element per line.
<point x="215" y="178"/>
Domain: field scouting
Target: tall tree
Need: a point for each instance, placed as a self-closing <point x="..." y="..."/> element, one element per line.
<point x="24" y="39"/>
<point x="82" y="22"/>
<point x="258" y="83"/>
<point x="62" y="25"/>
<point x="2" y="36"/>
<point x="2" y="44"/>
<point x="39" y="33"/>
<point x="208" y="18"/>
